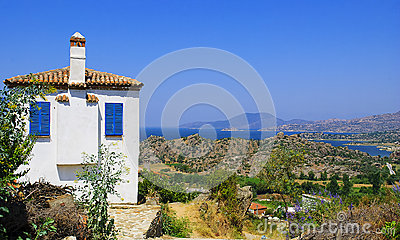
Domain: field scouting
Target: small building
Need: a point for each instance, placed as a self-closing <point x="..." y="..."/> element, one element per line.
<point x="88" y="109"/>
<point x="257" y="209"/>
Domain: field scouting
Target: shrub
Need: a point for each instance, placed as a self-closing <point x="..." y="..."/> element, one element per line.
<point x="347" y="185"/>
<point x="147" y="187"/>
<point x="100" y="175"/>
<point x="311" y="175"/>
<point x="225" y="194"/>
<point x="376" y="180"/>
<point x="324" y="176"/>
<point x="333" y="186"/>
<point x="15" y="144"/>
<point x="172" y="225"/>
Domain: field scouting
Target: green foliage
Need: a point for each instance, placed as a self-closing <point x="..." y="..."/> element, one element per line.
<point x="360" y="179"/>
<point x="309" y="187"/>
<point x="333" y="186"/>
<point x="15" y="143"/>
<point x="311" y="175"/>
<point x="100" y="176"/>
<point x="347" y="185"/>
<point x="147" y="188"/>
<point x="278" y="171"/>
<point x="376" y="180"/>
<point x="258" y="186"/>
<point x="172" y="225"/>
<point x="45" y="228"/>
<point x="182" y="167"/>
<point x="335" y="176"/>
<point x="302" y="176"/>
<point x="324" y="176"/>
<point x="391" y="230"/>
<point x="226" y="196"/>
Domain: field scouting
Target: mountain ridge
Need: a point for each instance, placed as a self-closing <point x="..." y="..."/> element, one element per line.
<point x="266" y="121"/>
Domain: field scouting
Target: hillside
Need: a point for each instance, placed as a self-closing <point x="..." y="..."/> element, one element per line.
<point x="197" y="154"/>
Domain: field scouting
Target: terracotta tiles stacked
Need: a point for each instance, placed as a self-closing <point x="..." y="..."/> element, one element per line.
<point x="92" y="98"/>
<point x="62" y="98"/>
<point x="59" y="78"/>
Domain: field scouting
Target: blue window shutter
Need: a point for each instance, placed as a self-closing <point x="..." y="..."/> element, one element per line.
<point x="118" y="123"/>
<point x="109" y="119"/>
<point x="113" y="121"/>
<point x="40" y="119"/>
<point x="45" y="119"/>
<point x="34" y="126"/>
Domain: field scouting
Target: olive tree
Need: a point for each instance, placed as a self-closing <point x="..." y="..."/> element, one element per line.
<point x="278" y="172"/>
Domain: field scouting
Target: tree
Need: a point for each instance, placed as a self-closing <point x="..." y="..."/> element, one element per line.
<point x="311" y="175"/>
<point x="335" y="176"/>
<point x="225" y="194"/>
<point x="278" y="170"/>
<point x="324" y="176"/>
<point x="15" y="144"/>
<point x="376" y="180"/>
<point x="347" y="185"/>
<point x="302" y="176"/>
<point x="333" y="186"/>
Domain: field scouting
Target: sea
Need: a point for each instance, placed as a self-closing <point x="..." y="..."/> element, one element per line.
<point x="173" y="133"/>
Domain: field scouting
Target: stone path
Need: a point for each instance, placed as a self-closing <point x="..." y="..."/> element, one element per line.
<point x="132" y="221"/>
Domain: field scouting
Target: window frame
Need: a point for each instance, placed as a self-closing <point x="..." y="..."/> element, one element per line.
<point x="39" y="107"/>
<point x="114" y="116"/>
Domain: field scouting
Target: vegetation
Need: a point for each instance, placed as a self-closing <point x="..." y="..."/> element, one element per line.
<point x="172" y="225"/>
<point x="15" y="144"/>
<point x="149" y="189"/>
<point x="100" y="176"/>
<point x="225" y="194"/>
<point x="45" y="228"/>
<point x="384" y="137"/>
<point x="278" y="172"/>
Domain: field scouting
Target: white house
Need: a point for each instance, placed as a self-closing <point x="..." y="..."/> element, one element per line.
<point x="89" y="108"/>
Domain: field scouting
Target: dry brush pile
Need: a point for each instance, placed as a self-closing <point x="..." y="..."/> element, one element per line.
<point x="31" y="204"/>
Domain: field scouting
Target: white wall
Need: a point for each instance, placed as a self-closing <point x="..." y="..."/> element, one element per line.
<point x="77" y="127"/>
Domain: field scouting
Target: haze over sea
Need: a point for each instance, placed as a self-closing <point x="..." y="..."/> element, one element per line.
<point x="173" y="133"/>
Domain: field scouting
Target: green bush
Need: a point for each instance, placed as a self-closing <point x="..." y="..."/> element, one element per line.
<point x="101" y="173"/>
<point x="146" y="187"/>
<point x="15" y="144"/>
<point x="172" y="225"/>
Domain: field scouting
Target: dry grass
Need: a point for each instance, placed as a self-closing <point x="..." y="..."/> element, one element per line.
<point x="205" y="224"/>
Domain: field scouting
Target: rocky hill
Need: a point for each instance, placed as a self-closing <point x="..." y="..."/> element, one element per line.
<point x="197" y="154"/>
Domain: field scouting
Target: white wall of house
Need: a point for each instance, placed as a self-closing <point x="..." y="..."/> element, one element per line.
<point x="78" y="126"/>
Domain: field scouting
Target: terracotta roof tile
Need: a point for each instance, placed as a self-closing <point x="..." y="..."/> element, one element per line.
<point x="62" y="98"/>
<point x="92" y="98"/>
<point x="59" y="78"/>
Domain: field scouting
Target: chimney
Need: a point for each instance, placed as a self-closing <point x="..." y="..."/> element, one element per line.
<point x="77" y="59"/>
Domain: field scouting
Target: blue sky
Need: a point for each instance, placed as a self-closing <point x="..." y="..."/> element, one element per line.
<point x="319" y="59"/>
